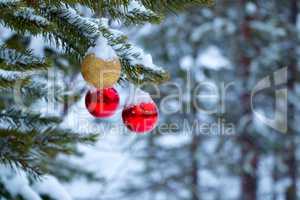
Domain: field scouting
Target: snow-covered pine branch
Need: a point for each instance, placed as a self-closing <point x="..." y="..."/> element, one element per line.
<point x="135" y="13"/>
<point x="12" y="60"/>
<point x="137" y="65"/>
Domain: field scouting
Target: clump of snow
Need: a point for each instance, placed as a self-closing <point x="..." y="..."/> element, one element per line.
<point x="51" y="187"/>
<point x="102" y="50"/>
<point x="17" y="183"/>
<point x="135" y="55"/>
<point x="135" y="5"/>
<point x="223" y="25"/>
<point x="213" y="59"/>
<point x="142" y="59"/>
<point x="5" y="34"/>
<point x="172" y="140"/>
<point x="186" y="63"/>
<point x="104" y="21"/>
<point x="37" y="46"/>
<point x="200" y="31"/>
<point x="84" y="10"/>
<point x="137" y="96"/>
<point x="217" y="25"/>
<point x="251" y="8"/>
<point x="268" y="28"/>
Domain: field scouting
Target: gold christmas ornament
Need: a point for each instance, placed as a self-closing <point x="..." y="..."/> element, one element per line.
<point x="99" y="72"/>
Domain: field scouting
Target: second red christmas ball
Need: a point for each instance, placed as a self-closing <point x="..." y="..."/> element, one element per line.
<point x="141" y="117"/>
<point x="102" y="103"/>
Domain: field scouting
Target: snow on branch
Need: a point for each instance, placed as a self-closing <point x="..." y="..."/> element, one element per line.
<point x="29" y="14"/>
<point x="21" y="185"/>
<point x="137" y="65"/>
<point x="82" y="24"/>
<point x="16" y="118"/>
<point x="8" y="81"/>
<point x="7" y="3"/>
<point x="12" y="60"/>
<point x="22" y="147"/>
<point x="164" y="6"/>
<point x="135" y="13"/>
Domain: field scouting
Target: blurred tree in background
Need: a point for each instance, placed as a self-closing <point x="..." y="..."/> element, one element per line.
<point x="233" y="44"/>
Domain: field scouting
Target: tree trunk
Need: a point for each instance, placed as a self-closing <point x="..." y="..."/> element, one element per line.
<point x="194" y="170"/>
<point x="291" y="160"/>
<point x="291" y="192"/>
<point x="249" y="175"/>
<point x="275" y="174"/>
<point x="249" y="152"/>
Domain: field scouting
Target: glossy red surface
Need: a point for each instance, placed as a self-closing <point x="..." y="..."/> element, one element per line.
<point x="140" y="118"/>
<point x="102" y="103"/>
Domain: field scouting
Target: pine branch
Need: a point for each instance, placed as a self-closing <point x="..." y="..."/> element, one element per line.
<point x="162" y="6"/>
<point x="158" y="6"/>
<point x="86" y="31"/>
<point x="23" y="20"/>
<point x="135" y="13"/>
<point x="132" y="59"/>
<point x="17" y="119"/>
<point x="7" y="83"/>
<point x="29" y="14"/>
<point x="29" y="150"/>
<point x="4" y="193"/>
<point x="100" y="7"/>
<point x="9" y="3"/>
<point x="12" y="60"/>
<point x="75" y="33"/>
<point x="36" y="90"/>
<point x="137" y="16"/>
<point x="118" y="10"/>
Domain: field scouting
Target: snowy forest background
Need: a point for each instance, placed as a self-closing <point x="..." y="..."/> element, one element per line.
<point x="238" y="42"/>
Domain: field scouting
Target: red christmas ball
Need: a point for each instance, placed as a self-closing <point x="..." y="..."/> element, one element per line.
<point x="102" y="103"/>
<point x="141" y="117"/>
